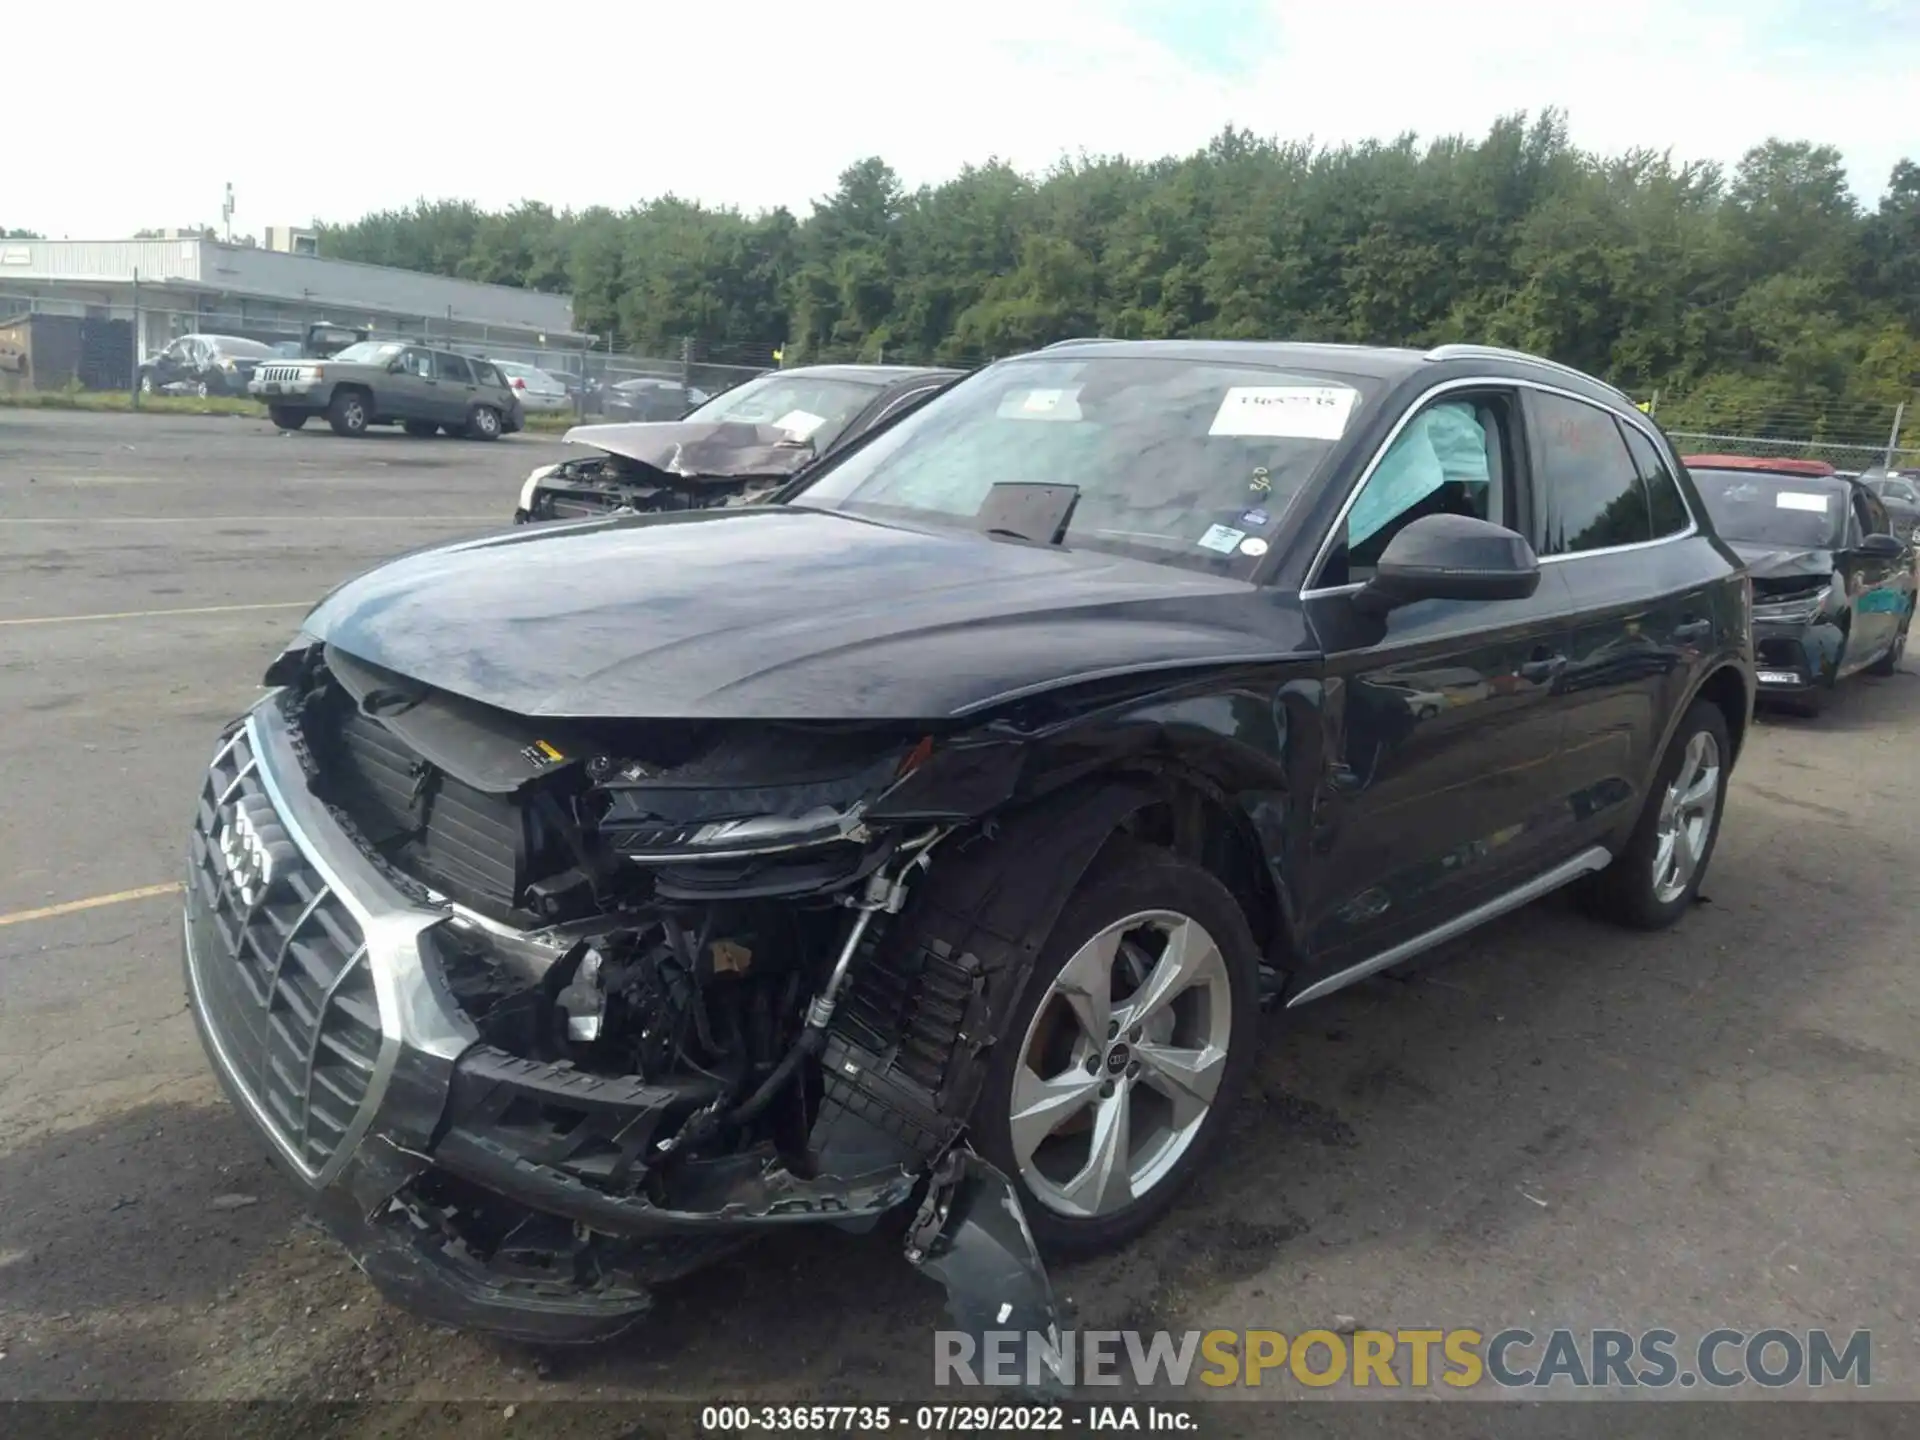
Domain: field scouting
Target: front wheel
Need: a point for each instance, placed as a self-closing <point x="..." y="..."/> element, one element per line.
<point x="1113" y="1077"/>
<point x="1654" y="879"/>
<point x="483" y="423"/>
<point x="349" y="413"/>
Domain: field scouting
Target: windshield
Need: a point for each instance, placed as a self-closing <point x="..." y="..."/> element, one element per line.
<point x="1185" y="462"/>
<point x="1790" y="512"/>
<point x="369" y="352"/>
<point x="809" y="407"/>
<point x="244" y="349"/>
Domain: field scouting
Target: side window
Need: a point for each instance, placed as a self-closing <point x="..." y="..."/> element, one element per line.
<point x="417" y="362"/>
<point x="1665" y="505"/>
<point x="485" y="374"/>
<point x="1589" y="486"/>
<point x="454" y="368"/>
<point x="1450" y="459"/>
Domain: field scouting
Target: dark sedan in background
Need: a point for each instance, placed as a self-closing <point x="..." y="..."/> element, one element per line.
<point x="1899" y="491"/>
<point x="740" y="445"/>
<point x="1833" y="585"/>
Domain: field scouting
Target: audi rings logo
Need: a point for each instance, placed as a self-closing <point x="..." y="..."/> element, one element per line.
<point x="255" y="849"/>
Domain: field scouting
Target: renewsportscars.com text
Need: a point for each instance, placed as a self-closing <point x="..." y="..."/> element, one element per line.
<point x="1515" y="1359"/>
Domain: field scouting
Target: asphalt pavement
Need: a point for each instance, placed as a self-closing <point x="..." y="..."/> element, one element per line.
<point x="1550" y="1122"/>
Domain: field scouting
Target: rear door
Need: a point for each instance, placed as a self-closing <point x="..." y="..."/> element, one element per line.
<point x="1440" y="726"/>
<point x="1652" y="599"/>
<point x="457" y="390"/>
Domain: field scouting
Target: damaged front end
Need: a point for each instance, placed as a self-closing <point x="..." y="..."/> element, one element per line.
<point x="545" y="1014"/>
<point x="653" y="466"/>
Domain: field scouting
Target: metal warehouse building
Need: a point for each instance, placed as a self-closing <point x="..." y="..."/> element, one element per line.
<point x="140" y="294"/>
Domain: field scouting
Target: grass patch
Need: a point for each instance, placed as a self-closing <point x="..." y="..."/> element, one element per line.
<point x="123" y="400"/>
<point x="553" y="424"/>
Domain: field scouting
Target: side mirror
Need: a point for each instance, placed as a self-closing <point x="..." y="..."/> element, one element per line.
<point x="1882" y="547"/>
<point x="1450" y="557"/>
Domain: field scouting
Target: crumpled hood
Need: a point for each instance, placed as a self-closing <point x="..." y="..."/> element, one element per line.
<point x="782" y="613"/>
<point x="722" y="450"/>
<point x="1769" y="562"/>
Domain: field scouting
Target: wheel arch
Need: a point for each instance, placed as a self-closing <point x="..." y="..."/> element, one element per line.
<point x="1726" y="688"/>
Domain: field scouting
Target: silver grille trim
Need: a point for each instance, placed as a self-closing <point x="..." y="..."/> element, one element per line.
<point x="308" y="993"/>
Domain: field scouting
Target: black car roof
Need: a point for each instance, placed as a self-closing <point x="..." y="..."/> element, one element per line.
<point x="1387" y="363"/>
<point x="874" y="374"/>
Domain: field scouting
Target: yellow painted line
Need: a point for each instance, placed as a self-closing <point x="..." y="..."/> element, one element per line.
<point x="73" y="907"/>
<point x="148" y="614"/>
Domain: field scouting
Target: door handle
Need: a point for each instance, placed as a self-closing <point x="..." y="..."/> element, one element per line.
<point x="1542" y="667"/>
<point x="1692" y="631"/>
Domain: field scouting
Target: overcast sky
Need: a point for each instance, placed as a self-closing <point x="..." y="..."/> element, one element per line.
<point x="113" y="126"/>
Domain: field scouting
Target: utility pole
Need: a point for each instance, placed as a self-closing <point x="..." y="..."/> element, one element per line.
<point x="1893" y="436"/>
<point x="226" y="213"/>
<point x="134" y="386"/>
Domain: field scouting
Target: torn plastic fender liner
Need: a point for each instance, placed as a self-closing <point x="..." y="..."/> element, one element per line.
<point x="906" y="1055"/>
<point x="972" y="1236"/>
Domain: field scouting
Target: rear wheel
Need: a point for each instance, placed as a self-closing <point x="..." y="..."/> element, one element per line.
<point x="286" y="418"/>
<point x="483" y="423"/>
<point x="349" y="414"/>
<point x="1113" y="1077"/>
<point x="1654" y="879"/>
<point x="419" y="427"/>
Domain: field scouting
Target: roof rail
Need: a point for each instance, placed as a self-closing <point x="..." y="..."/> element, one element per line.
<point x="1078" y="340"/>
<point x="1501" y="352"/>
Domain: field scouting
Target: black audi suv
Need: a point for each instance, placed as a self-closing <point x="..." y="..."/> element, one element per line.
<point x="586" y="900"/>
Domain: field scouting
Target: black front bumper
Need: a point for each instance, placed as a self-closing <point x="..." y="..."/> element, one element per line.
<point x="317" y="988"/>
<point x="1792" y="658"/>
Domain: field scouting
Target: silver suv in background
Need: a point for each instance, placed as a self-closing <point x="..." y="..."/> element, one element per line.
<point x="390" y="382"/>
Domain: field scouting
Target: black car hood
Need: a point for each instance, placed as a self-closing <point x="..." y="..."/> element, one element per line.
<point x="783" y="613"/>
<point x="1770" y="562"/>
<point x="711" y="449"/>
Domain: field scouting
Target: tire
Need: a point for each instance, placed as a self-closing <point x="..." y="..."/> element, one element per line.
<point x="202" y="389"/>
<point x="147" y="386"/>
<point x="285" y="418"/>
<point x="350" y="413"/>
<point x="1644" y="888"/>
<point x="419" y="427"/>
<point x="483" y="423"/>
<point x="1143" y="894"/>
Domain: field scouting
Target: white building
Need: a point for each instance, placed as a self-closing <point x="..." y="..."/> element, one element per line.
<point x="185" y="286"/>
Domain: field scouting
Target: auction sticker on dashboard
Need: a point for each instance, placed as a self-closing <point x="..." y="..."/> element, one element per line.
<point x="1800" y="500"/>
<point x="1223" y="538"/>
<point x="1285" y="412"/>
<point x="800" y="423"/>
<point x="1255" y="547"/>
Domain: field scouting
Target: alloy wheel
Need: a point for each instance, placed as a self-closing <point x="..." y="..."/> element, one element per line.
<point x="1687" y="814"/>
<point x="1121" y="1063"/>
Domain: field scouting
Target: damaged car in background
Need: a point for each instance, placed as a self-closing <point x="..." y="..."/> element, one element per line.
<point x="736" y="448"/>
<point x="585" y="901"/>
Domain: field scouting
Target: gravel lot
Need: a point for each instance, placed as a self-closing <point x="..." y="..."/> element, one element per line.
<point x="1549" y="1123"/>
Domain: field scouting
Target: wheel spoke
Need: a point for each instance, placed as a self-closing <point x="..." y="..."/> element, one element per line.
<point x="1189" y="956"/>
<point x="1188" y="1078"/>
<point x="1663" y="859"/>
<point x="1041" y="1107"/>
<point x="1086" y="984"/>
<point x="1696" y="758"/>
<point x="1702" y="788"/>
<point x="1106" y="1182"/>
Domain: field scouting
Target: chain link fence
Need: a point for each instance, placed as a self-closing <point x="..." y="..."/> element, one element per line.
<point x="57" y="345"/>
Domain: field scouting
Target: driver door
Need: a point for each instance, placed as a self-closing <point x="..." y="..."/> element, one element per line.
<point x="410" y="391"/>
<point x="1441" y="732"/>
<point x="1874" y="593"/>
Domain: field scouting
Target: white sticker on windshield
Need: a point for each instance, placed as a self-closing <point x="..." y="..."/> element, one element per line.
<point x="1223" y="538"/>
<point x="1255" y="546"/>
<point x="1285" y="412"/>
<point x="1801" y="500"/>
<point x="800" y="423"/>
<point x="1040" y="405"/>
